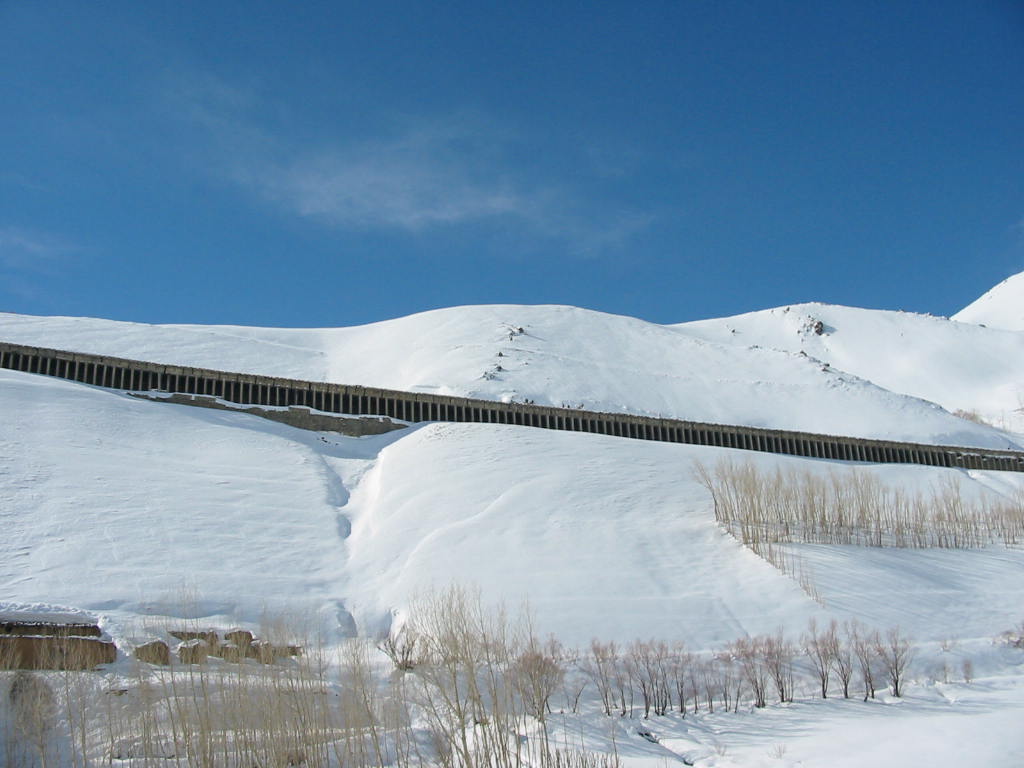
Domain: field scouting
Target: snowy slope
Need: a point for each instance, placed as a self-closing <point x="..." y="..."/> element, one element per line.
<point x="132" y="509"/>
<point x="143" y="513"/>
<point x="959" y="366"/>
<point x="1001" y="307"/>
<point x="564" y="355"/>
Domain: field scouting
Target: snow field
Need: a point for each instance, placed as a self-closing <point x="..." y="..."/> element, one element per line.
<point x="571" y="356"/>
<point x="147" y="515"/>
<point x="140" y="502"/>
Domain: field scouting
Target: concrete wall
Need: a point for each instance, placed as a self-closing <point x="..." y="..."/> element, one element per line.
<point x="139" y="376"/>
<point x="294" y="415"/>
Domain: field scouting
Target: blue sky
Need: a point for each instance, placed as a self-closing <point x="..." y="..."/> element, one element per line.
<point x="323" y="164"/>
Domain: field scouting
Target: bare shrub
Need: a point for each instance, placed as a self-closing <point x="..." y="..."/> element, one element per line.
<point x="970" y="415"/>
<point x="581" y="758"/>
<point x="401" y="647"/>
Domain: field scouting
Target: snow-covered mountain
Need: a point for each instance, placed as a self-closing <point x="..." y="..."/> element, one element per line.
<point x="565" y="355"/>
<point x="374" y="518"/>
<point x="1001" y="307"/>
<point x="133" y="510"/>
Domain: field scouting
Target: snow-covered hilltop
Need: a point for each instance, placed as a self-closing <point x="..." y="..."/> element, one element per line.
<point x="867" y="373"/>
<point x="962" y="367"/>
<point x="1001" y="307"/>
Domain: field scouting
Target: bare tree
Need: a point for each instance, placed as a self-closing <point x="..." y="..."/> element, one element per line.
<point x="864" y="642"/>
<point x="600" y="666"/>
<point x="649" y="662"/>
<point x="842" y="658"/>
<point x="536" y="674"/>
<point x="33" y="709"/>
<point x="818" y="647"/>
<point x="748" y="652"/>
<point x="896" y="653"/>
<point x="710" y="681"/>
<point x="778" y="655"/>
<point x="680" y="666"/>
<point x="967" y="667"/>
<point x="573" y="683"/>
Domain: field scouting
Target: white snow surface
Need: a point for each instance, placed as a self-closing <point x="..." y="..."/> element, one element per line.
<point x="137" y="513"/>
<point x="1001" y="307"/>
<point x="571" y="356"/>
<point x="960" y="367"/>
<point x="124" y="508"/>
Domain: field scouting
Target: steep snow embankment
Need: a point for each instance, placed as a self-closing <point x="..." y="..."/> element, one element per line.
<point x="959" y="366"/>
<point x="125" y="507"/>
<point x="562" y="355"/>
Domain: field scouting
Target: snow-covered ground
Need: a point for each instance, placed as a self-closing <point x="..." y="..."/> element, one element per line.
<point x="960" y="366"/>
<point x="567" y="355"/>
<point x="133" y="510"/>
<point x="120" y="507"/>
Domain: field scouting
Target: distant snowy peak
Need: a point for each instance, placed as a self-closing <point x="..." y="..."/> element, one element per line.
<point x="1001" y="307"/>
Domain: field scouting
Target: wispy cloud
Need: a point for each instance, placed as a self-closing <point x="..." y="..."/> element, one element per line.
<point x="29" y="257"/>
<point x="414" y="175"/>
<point x="423" y="178"/>
<point x="32" y="251"/>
